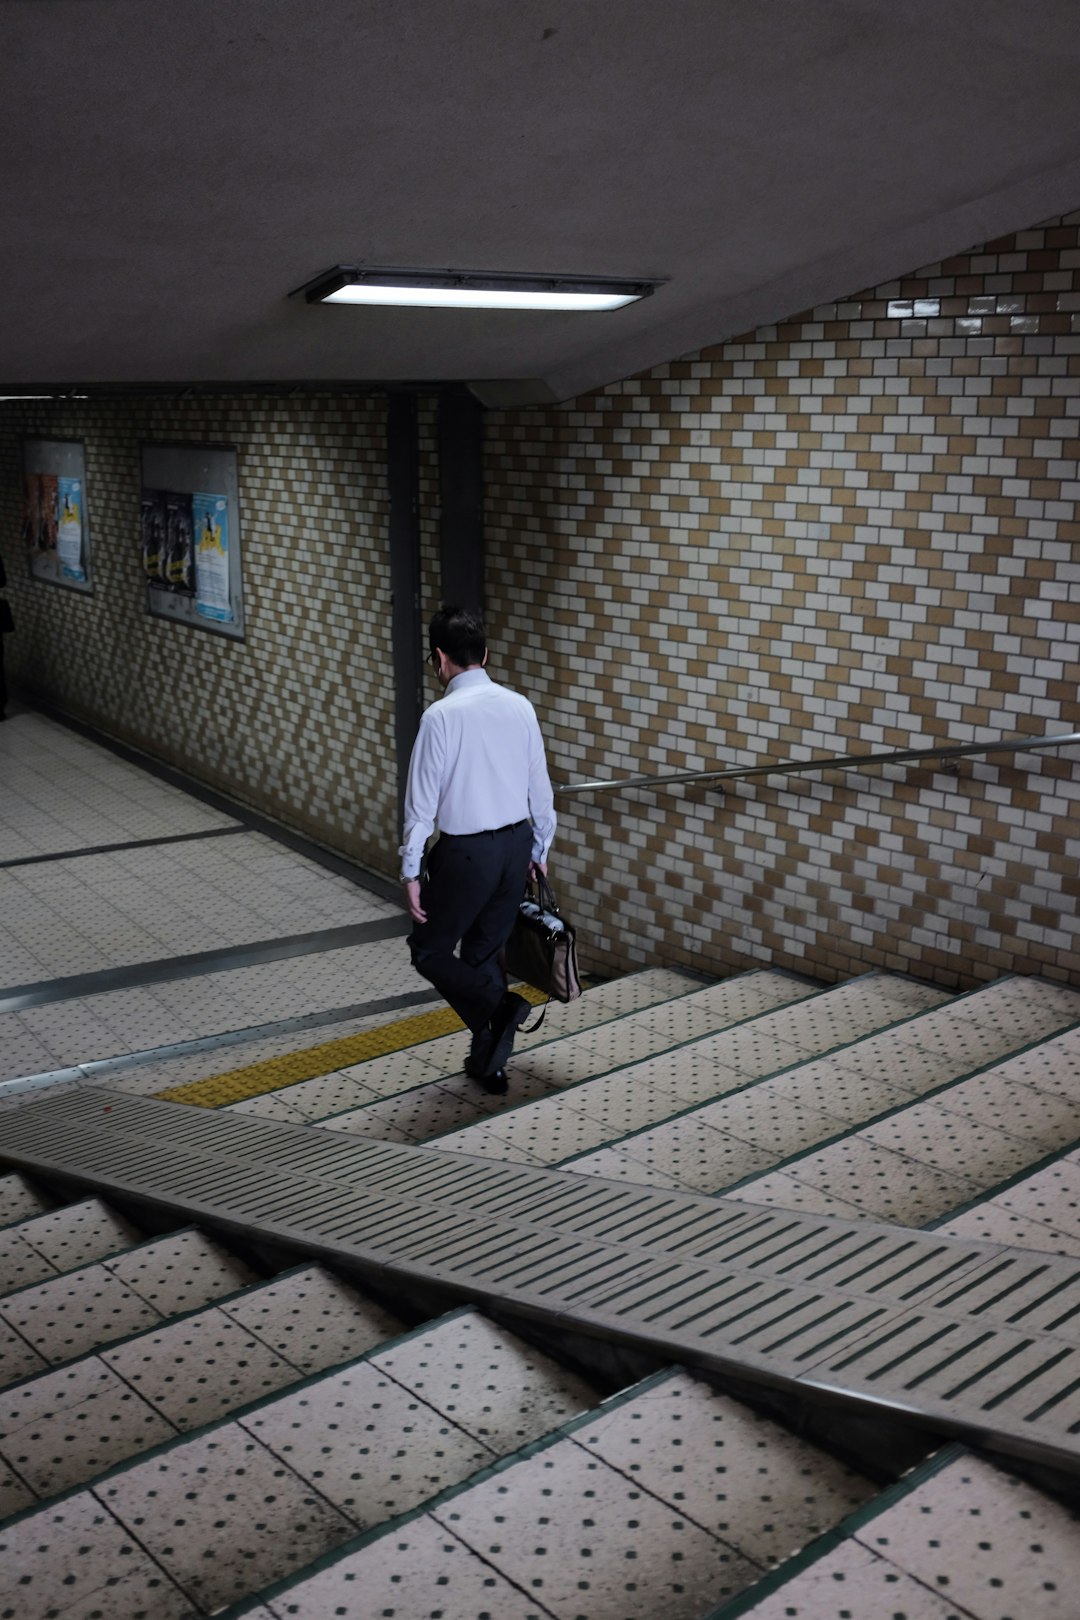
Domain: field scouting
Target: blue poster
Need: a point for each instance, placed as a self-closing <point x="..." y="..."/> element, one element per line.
<point x="210" y="521"/>
<point x="69" y="527"/>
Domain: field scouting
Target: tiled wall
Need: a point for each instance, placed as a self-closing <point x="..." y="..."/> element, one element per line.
<point x="851" y="532"/>
<point x="298" y="719"/>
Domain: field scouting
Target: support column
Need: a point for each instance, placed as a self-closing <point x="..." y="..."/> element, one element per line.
<point x="461" y="498"/>
<point x="402" y="454"/>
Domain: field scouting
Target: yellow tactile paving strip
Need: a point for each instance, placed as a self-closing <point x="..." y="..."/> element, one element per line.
<point x="256" y="1079"/>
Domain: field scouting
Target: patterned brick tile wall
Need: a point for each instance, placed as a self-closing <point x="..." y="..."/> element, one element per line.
<point x="427" y="425"/>
<point x="850" y="532"/>
<point x="298" y="719"/>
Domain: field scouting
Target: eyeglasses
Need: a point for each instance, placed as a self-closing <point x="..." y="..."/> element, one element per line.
<point x="433" y="659"/>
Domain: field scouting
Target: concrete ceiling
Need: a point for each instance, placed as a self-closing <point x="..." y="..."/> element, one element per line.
<point x="173" y="168"/>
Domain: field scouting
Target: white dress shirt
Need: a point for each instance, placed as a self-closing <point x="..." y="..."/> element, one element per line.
<point x="477" y="764"/>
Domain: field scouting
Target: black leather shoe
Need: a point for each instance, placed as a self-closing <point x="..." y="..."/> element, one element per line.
<point x="495" y="1085"/>
<point x="506" y="1020"/>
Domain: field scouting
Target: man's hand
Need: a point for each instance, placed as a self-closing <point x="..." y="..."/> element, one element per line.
<point x="535" y="868"/>
<point x="412" y="900"/>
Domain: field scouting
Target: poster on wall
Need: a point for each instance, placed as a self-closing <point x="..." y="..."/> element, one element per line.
<point x="55" y="528"/>
<point x="69" y="527"/>
<point x="189" y="536"/>
<point x="211" y="518"/>
<point x="152" y="535"/>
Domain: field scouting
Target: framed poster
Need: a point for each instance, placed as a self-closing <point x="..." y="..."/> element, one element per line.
<point x="55" y="527"/>
<point x="189" y="536"/>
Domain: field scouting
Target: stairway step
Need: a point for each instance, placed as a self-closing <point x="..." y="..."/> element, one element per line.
<point x="766" y="1137"/>
<point x="287" y="1481"/>
<point x="959" y="1538"/>
<point x="50" y="1244"/>
<point x="20" y="1200"/>
<point x="451" y="1106"/>
<point x="46" y="1324"/>
<point x="936" y="1154"/>
<point x="668" y="1496"/>
<point x="61" y="1428"/>
<point x="639" y="1101"/>
<point x="444" y="1056"/>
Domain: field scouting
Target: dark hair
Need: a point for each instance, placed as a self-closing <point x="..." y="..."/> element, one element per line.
<point x="459" y="632"/>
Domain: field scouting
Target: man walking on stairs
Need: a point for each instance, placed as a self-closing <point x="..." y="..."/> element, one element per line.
<point x="479" y="774"/>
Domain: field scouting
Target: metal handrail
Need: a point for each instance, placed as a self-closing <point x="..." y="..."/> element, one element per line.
<point x="802" y="767"/>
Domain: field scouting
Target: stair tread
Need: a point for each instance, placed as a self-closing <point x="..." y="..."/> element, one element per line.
<point x="78" y="1311"/>
<point x="348" y="1449"/>
<point x="50" y="1244"/>
<point x="395" y="1072"/>
<point x="63" y="1426"/>
<point x="19" y="1200"/>
<point x="995" y="1545"/>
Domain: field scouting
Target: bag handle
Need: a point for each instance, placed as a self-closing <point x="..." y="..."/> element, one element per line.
<point x="545" y="894"/>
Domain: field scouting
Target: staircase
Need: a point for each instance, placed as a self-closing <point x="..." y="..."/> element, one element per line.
<point x="191" y="1422"/>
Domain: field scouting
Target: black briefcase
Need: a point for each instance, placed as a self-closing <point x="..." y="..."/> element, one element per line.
<point x="542" y="948"/>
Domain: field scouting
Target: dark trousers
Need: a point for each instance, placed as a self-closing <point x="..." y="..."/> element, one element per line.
<point x="471" y="894"/>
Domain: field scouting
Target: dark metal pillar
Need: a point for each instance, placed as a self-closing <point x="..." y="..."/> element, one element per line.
<point x="403" y="465"/>
<point x="461" y="498"/>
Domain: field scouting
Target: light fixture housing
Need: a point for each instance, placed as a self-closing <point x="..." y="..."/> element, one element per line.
<point x="470" y="289"/>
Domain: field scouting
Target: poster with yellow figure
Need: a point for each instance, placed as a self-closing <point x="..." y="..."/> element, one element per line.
<point x="69" y="535"/>
<point x="210" y="520"/>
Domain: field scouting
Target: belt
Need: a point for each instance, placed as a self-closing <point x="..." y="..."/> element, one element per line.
<point x="490" y="832"/>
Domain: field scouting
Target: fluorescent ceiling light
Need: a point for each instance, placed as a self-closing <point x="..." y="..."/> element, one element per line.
<point x="466" y="289"/>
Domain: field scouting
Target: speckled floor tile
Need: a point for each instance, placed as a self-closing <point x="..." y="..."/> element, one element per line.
<point x="482" y="1142"/>
<point x="17" y="1357"/>
<point x="366" y="1082"/>
<point x="222" y="1516"/>
<point x="894" y="1058"/>
<point x="935" y="1135"/>
<point x="1004" y="1102"/>
<point x="886" y="1185"/>
<point x="627" y="1101"/>
<point x="742" y="1478"/>
<point x="73" y="1559"/>
<point x="848" y="1096"/>
<point x="20" y="1199"/>
<point x="850" y="1583"/>
<point x="200" y="1368"/>
<point x="962" y="1046"/>
<point x="181" y="1271"/>
<point x="548" y="1131"/>
<point x="997" y="1545"/>
<point x="989" y="1223"/>
<point x="417" y="1572"/>
<point x="20" y="1263"/>
<point x="610" y="1164"/>
<point x="62" y="1428"/>
<point x="1053" y="1066"/>
<point x="15" y="1494"/>
<point x="699" y="1158"/>
<point x="367" y="1445"/>
<point x="312" y="1319"/>
<point x="521" y="1088"/>
<point x="79" y="1233"/>
<point x="69" y="1315"/>
<point x="588" y="1541"/>
<point x="1050" y="1196"/>
<point x="773" y="1120"/>
<point x="779" y="1188"/>
<point x="415" y="1115"/>
<point x="495" y="1386"/>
